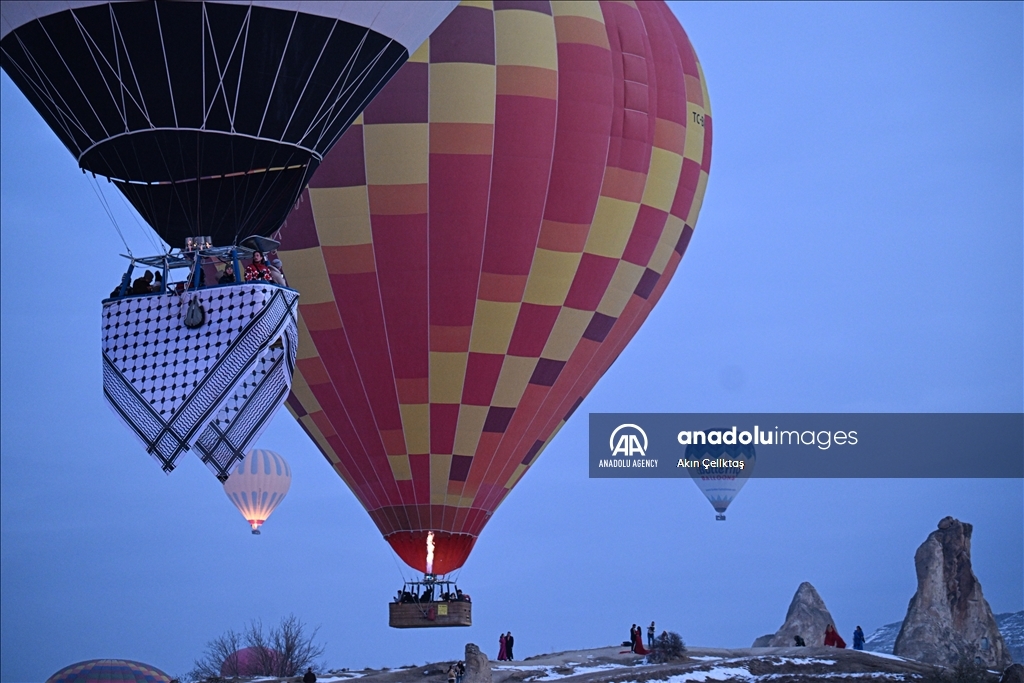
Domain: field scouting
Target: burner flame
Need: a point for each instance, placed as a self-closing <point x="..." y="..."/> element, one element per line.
<point x="430" y="552"/>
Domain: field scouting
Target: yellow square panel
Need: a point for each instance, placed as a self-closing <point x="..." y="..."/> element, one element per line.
<point x="307" y="349"/>
<point x="666" y="244"/>
<point x="396" y="153"/>
<point x="662" y="179"/>
<point x="550" y="277"/>
<point x="515" y="375"/>
<point x="462" y="93"/>
<point x="308" y="274"/>
<point x="694" y="134"/>
<point x="624" y="281"/>
<point x="704" y="89"/>
<point x="471" y="424"/>
<point x="577" y="8"/>
<point x="493" y="323"/>
<point x="515" y="476"/>
<point x="565" y="335"/>
<point x="525" y="38"/>
<point x="422" y="54"/>
<point x="342" y="215"/>
<point x="304" y="394"/>
<point x="698" y="199"/>
<point x="440" y="468"/>
<point x="613" y="223"/>
<point x="485" y="4"/>
<point x="416" y="426"/>
<point x="447" y="374"/>
<point x="400" y="467"/>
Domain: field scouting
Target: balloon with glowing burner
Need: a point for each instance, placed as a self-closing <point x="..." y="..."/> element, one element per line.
<point x="258" y="485"/>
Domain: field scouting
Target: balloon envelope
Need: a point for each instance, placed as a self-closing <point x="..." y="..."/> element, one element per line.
<point x="210" y="117"/>
<point x="249" y="661"/>
<point x="258" y="485"/>
<point x="724" y="470"/>
<point x="478" y="249"/>
<point x="109" y="671"/>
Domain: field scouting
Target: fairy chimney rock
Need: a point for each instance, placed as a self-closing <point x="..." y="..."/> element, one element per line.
<point x="948" y="618"/>
<point x="807" y="617"/>
<point x="478" y="667"/>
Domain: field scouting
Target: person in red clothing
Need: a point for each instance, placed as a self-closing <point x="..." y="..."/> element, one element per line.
<point x="832" y="638"/>
<point x="258" y="270"/>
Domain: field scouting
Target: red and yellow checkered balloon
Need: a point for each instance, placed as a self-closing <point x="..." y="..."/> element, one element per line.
<point x="479" y="247"/>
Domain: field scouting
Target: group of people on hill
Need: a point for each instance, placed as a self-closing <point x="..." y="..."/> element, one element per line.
<point x="456" y="671"/>
<point x="833" y="639"/>
<point x="505" y="643"/>
<point x="260" y="269"/>
<point x="636" y="639"/>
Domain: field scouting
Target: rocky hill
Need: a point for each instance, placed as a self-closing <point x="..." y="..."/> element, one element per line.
<point x="1011" y="625"/>
<point x="749" y="665"/>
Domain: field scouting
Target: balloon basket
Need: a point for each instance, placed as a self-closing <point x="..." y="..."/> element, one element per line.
<point x="416" y="606"/>
<point x="720" y="518"/>
<point x="255" y="532"/>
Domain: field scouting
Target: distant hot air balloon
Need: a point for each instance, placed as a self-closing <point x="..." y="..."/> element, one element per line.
<point x="258" y="485"/>
<point x="250" y="661"/>
<point x="109" y="671"/>
<point x="478" y="249"/>
<point x="210" y="117"/>
<point x="724" y="470"/>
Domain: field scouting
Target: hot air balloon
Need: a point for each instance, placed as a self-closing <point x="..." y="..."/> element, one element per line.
<point x="109" y="671"/>
<point x="258" y="484"/>
<point x="724" y="469"/>
<point x="479" y="247"/>
<point x="210" y="117"/>
<point x="250" y="661"/>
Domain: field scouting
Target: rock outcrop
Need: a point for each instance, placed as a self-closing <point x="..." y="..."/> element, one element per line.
<point x="807" y="617"/>
<point x="948" y="618"/>
<point x="478" y="666"/>
<point x="762" y="641"/>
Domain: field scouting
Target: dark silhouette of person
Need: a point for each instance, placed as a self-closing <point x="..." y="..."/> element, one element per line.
<point x="309" y="677"/>
<point x="228" y="277"/>
<point x="144" y="284"/>
<point x="632" y="638"/>
<point x="509" y="641"/>
<point x="858" y="639"/>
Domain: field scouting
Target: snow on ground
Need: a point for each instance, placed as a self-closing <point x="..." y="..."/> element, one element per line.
<point x="551" y="673"/>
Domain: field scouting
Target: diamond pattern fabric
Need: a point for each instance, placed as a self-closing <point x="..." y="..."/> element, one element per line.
<point x="214" y="387"/>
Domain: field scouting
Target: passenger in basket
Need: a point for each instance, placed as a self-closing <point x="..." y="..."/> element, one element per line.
<point x="258" y="270"/>
<point x="228" y="277"/>
<point x="144" y="284"/>
<point x="277" y="272"/>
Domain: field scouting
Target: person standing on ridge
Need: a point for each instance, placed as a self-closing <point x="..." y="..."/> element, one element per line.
<point x="650" y="635"/>
<point x="509" y="641"/>
<point x="832" y="637"/>
<point x="309" y="677"/>
<point x="858" y="639"/>
<point x="502" y="648"/>
<point x="632" y="638"/>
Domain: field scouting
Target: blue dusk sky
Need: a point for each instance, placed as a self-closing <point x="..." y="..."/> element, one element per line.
<point x="860" y="249"/>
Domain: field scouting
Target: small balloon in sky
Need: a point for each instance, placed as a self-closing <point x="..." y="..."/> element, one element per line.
<point x="721" y="469"/>
<point x="258" y="485"/>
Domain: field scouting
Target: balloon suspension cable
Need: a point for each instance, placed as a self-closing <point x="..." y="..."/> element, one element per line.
<point x="148" y="232"/>
<point x="110" y="214"/>
<point x="398" y="567"/>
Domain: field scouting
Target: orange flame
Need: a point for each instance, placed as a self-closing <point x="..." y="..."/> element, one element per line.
<point x="430" y="552"/>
